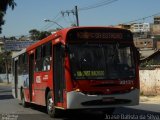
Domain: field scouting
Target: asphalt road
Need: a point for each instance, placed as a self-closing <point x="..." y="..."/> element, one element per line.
<point x="11" y="109"/>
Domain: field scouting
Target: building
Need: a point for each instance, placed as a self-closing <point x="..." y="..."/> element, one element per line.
<point x="136" y="27"/>
<point x="155" y="29"/>
<point x="11" y="45"/>
<point x="157" y="20"/>
<point x="14" y="45"/>
<point x="158" y="45"/>
<point x="146" y="46"/>
<point x="124" y="26"/>
<point x="143" y="43"/>
<point x="140" y="27"/>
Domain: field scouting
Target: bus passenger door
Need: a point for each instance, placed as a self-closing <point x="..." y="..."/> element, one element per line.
<point x="58" y="73"/>
<point x="16" y="78"/>
<point x="31" y="75"/>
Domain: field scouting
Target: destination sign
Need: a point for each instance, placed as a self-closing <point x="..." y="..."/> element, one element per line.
<point x="89" y="73"/>
<point x="99" y="35"/>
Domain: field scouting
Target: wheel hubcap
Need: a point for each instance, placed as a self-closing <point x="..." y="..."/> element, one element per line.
<point x="50" y="104"/>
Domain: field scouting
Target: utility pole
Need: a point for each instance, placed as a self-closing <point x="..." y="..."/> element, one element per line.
<point x="74" y="12"/>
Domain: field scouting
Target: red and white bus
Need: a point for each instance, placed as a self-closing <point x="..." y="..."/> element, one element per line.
<point x="79" y="68"/>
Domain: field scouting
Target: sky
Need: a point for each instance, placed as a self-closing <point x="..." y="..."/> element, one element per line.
<point x="30" y="14"/>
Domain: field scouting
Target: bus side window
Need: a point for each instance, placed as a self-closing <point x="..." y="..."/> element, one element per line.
<point x="25" y="63"/>
<point x="38" y="59"/>
<point x="19" y="65"/>
<point x="46" y="57"/>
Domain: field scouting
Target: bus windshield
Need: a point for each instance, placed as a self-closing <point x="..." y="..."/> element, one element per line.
<point x="101" y="61"/>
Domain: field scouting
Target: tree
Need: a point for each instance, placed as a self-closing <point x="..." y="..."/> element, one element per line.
<point x="12" y="38"/>
<point x="73" y="25"/>
<point x="34" y="34"/>
<point x="43" y="34"/>
<point x="38" y="35"/>
<point x="5" y="64"/>
<point x="2" y="63"/>
<point x="1" y="20"/>
<point x="3" y="8"/>
<point x="5" y="57"/>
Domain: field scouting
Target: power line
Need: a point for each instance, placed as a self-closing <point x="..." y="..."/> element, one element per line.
<point x="74" y="12"/>
<point x="68" y="21"/>
<point x="96" y="5"/>
<point x="50" y="24"/>
<point x="103" y="3"/>
<point x="143" y="18"/>
<point x="54" y="22"/>
<point x="57" y="17"/>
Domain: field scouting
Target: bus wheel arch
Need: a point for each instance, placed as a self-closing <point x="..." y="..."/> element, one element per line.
<point x="46" y="93"/>
<point x="51" y="110"/>
<point x="50" y="105"/>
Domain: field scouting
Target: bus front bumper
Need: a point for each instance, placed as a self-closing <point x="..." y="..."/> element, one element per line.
<point x="79" y="100"/>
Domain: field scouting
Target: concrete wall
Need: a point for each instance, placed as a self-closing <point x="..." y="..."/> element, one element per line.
<point x="150" y="82"/>
<point x="155" y="29"/>
<point x="143" y="43"/>
<point x="3" y="78"/>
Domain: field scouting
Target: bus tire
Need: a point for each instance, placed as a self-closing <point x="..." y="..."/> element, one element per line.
<point x="51" y="110"/>
<point x="24" y="103"/>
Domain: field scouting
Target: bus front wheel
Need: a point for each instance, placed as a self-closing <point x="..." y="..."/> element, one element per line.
<point x="51" y="110"/>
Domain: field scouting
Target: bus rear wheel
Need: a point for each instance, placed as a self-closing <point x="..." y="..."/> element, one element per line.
<point x="51" y="110"/>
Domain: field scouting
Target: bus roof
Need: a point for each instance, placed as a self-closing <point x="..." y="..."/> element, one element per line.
<point x="62" y="33"/>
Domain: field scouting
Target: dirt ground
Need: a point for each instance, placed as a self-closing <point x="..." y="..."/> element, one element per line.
<point x="5" y="84"/>
<point x="150" y="99"/>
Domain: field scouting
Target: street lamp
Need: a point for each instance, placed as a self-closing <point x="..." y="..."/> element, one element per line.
<point x="47" y="20"/>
